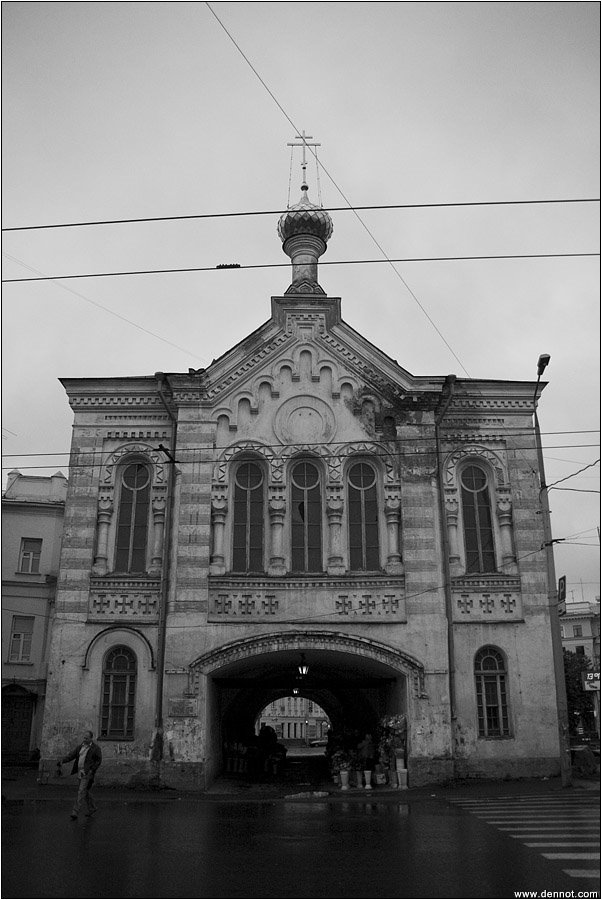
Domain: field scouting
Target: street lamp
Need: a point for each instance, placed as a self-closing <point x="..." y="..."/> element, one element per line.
<point x="561" y="701"/>
<point x="302" y="668"/>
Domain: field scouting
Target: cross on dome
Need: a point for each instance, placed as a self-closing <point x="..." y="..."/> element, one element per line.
<point x="306" y="141"/>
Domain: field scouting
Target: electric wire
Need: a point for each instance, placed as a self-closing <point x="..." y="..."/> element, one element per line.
<point x="342" y="262"/>
<point x="560" y="480"/>
<point x="519" y="433"/>
<point x="302" y="448"/>
<point x="104" y="308"/>
<point x="280" y="212"/>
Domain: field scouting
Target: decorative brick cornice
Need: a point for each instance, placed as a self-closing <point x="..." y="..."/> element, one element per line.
<point x="493" y="582"/>
<point x="306" y="583"/>
<point x="115" y="401"/>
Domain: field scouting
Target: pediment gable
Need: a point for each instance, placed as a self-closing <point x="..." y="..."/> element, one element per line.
<point x="305" y="375"/>
<point x="311" y="331"/>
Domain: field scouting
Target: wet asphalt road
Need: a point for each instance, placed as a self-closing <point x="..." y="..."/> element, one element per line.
<point x="287" y="849"/>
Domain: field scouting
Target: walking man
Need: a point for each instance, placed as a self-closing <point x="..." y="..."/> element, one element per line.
<point x="86" y="757"/>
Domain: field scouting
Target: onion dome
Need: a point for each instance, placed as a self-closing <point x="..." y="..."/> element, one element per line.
<point x="304" y="230"/>
<point x="305" y="218"/>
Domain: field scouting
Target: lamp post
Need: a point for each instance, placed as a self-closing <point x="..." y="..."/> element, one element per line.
<point x="561" y="701"/>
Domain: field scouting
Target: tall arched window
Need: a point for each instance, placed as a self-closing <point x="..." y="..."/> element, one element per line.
<point x="247" y="533"/>
<point x="478" y="528"/>
<point x="132" y="523"/>
<point x="492" y="701"/>
<point x="364" y="551"/>
<point x="306" y="519"/>
<point x="118" y="695"/>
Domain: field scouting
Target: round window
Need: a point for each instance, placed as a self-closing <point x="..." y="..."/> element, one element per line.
<point x="305" y="476"/>
<point x="136" y="476"/>
<point x="248" y="476"/>
<point x="474" y="479"/>
<point x="362" y="476"/>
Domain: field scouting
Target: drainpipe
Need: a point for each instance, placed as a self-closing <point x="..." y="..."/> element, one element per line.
<point x="156" y="753"/>
<point x="447" y="395"/>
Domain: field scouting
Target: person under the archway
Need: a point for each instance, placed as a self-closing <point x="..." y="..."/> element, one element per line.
<point x="273" y="753"/>
<point x="366" y="750"/>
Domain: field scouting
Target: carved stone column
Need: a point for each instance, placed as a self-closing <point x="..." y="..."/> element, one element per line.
<point x="105" y="514"/>
<point x="277" y="511"/>
<point x="219" y="511"/>
<point x="451" y="514"/>
<point x="504" y="517"/>
<point x="334" y="511"/>
<point x="393" y="517"/>
<point x="158" y="532"/>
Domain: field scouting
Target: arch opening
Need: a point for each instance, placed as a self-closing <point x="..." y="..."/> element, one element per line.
<point x="353" y="687"/>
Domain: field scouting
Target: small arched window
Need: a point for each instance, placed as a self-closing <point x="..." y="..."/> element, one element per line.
<point x="118" y="695"/>
<point x="306" y="519"/>
<point x="248" y="527"/>
<point x="364" y="551"/>
<point x="492" y="701"/>
<point x="132" y="522"/>
<point x="478" y="528"/>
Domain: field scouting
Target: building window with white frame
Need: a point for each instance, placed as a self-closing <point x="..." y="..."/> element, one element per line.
<point x="132" y="524"/>
<point x="30" y="555"/>
<point x="306" y="518"/>
<point x="118" y="702"/>
<point x="362" y="506"/>
<point x="248" y="519"/>
<point x="21" y="638"/>
<point x="492" y="699"/>
<point x="477" y="521"/>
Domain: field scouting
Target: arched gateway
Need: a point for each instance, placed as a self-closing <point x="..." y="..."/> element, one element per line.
<point x="356" y="681"/>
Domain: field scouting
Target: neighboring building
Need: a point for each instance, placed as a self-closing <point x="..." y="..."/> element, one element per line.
<point x="296" y="719"/>
<point x="580" y="628"/>
<point x="303" y="494"/>
<point x="32" y="527"/>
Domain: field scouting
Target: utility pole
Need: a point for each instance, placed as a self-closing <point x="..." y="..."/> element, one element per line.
<point x="559" y="677"/>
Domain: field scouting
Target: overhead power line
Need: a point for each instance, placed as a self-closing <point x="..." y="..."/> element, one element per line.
<point x="334" y="444"/>
<point x="421" y="454"/>
<point x="278" y="212"/>
<point x="344" y="262"/>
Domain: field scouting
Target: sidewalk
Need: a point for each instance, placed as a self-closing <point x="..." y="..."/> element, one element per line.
<point x="21" y="785"/>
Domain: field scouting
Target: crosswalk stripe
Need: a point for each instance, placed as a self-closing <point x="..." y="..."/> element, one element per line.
<point x="526" y="821"/>
<point x="565" y="828"/>
<point x="581" y="873"/>
<point x="555" y="835"/>
<point x="585" y="845"/>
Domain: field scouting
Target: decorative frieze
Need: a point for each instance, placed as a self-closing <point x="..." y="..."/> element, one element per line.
<point x="340" y="600"/>
<point x="124" y="599"/>
<point x="486" y="599"/>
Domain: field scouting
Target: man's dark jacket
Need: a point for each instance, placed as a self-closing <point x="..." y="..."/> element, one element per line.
<point x="91" y="763"/>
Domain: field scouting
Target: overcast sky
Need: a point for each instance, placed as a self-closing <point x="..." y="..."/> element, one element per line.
<point x="126" y="110"/>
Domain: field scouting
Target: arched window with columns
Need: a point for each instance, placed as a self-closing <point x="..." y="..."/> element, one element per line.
<point x="477" y="520"/>
<point x="131" y="547"/>
<point x="248" y="527"/>
<point x="306" y="518"/>
<point x="362" y="514"/>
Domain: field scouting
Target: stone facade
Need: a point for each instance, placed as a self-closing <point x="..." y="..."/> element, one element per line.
<point x="379" y="586"/>
<point x="32" y="525"/>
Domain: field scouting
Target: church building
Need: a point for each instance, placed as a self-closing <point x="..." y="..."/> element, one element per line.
<point x="305" y="497"/>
